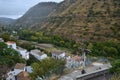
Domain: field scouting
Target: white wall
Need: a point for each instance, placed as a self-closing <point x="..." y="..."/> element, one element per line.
<point x="14" y="73"/>
<point x="24" y="53"/>
<point x="55" y="55"/>
<point x="38" y="56"/>
<point x="43" y="56"/>
<point x="12" y="45"/>
<point x="62" y="55"/>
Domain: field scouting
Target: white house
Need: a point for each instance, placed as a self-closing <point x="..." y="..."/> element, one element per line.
<point x="1" y="40"/>
<point x="38" y="54"/>
<point x="23" y="52"/>
<point x="58" y="54"/>
<point x="29" y="69"/>
<point x="12" y="75"/>
<point x="11" y="44"/>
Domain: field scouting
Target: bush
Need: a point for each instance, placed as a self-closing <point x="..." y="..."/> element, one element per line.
<point x="115" y="67"/>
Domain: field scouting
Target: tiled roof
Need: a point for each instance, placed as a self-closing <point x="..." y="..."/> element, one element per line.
<point x="76" y="58"/>
<point x="19" y="66"/>
<point x="23" y="76"/>
<point x="10" y="42"/>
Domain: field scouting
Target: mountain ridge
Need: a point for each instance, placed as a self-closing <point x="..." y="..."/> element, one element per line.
<point x="6" y="21"/>
<point x="37" y="13"/>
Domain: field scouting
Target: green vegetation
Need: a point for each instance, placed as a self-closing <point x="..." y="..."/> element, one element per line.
<point x="109" y="49"/>
<point x="26" y="45"/>
<point x="73" y="19"/>
<point x="47" y="67"/>
<point x="115" y="66"/>
<point x="40" y="37"/>
<point x="31" y="60"/>
<point x="115" y="77"/>
<point x="116" y="29"/>
<point x="9" y="56"/>
<point x="7" y="37"/>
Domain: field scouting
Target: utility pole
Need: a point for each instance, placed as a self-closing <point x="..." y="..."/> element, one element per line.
<point x="84" y="52"/>
<point x="84" y="57"/>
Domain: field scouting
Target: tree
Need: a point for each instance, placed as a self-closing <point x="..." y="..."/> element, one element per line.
<point x="9" y="56"/>
<point x="47" y="67"/>
<point x="26" y="45"/>
<point x="107" y="49"/>
<point x="115" y="67"/>
<point x="5" y="36"/>
<point x="2" y="46"/>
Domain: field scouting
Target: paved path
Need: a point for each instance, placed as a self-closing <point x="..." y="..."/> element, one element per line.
<point x="89" y="70"/>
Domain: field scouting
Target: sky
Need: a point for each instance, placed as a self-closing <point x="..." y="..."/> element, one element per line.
<point x="16" y="8"/>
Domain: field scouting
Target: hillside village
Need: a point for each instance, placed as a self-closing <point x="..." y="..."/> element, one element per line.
<point x="70" y="40"/>
<point x="74" y="64"/>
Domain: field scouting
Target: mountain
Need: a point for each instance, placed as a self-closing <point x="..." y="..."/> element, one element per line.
<point x="80" y="20"/>
<point x="6" y="21"/>
<point x="86" y="20"/>
<point x="37" y="13"/>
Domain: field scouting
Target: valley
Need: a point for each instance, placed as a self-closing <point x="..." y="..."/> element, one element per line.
<point x="73" y="39"/>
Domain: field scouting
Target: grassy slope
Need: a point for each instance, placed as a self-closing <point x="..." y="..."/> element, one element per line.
<point x="85" y="20"/>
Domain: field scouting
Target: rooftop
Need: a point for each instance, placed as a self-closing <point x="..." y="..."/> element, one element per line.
<point x="58" y="52"/>
<point x="36" y="51"/>
<point x="23" y="76"/>
<point x="20" y="66"/>
<point x="29" y="69"/>
<point x="76" y="58"/>
<point x="10" y="42"/>
<point x="21" y="49"/>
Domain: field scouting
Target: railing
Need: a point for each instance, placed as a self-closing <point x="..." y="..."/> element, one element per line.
<point x="92" y="74"/>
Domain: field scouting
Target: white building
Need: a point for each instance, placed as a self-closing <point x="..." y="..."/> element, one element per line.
<point x="23" y="52"/>
<point x="58" y="54"/>
<point x="11" y="44"/>
<point x="38" y="54"/>
<point x="12" y="75"/>
<point x="29" y="69"/>
<point x="1" y="40"/>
